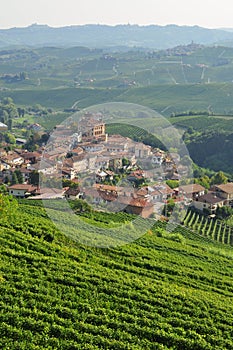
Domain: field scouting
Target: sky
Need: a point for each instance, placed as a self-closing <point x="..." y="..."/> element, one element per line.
<point x="55" y="13"/>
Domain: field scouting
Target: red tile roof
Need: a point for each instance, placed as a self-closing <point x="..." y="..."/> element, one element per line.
<point x="26" y="187"/>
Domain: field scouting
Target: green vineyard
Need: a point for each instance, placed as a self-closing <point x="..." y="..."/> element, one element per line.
<point x="212" y="228"/>
<point x="163" y="291"/>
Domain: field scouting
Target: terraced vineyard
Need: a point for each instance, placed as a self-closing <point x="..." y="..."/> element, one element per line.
<point x="164" y="291"/>
<point x="212" y="228"/>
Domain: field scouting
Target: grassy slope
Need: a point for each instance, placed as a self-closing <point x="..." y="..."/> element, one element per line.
<point x="165" y="98"/>
<point x="155" y="293"/>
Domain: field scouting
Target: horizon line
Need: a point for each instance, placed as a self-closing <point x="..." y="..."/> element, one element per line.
<point x="112" y="25"/>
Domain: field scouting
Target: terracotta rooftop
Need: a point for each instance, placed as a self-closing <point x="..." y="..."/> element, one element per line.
<point x="192" y="188"/>
<point x="106" y="187"/>
<point x="227" y="188"/>
<point x="209" y="198"/>
<point x="72" y="191"/>
<point x="135" y="202"/>
<point x="26" y="187"/>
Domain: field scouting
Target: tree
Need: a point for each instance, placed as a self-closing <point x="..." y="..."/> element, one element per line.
<point x="4" y="116"/>
<point x="125" y="162"/>
<point x="9" y="138"/>
<point x="31" y="144"/>
<point x="14" y="179"/>
<point x="224" y="212"/>
<point x="6" y="181"/>
<point x="79" y="205"/>
<point x="219" y="178"/>
<point x="21" y="112"/>
<point x="9" y="124"/>
<point x="34" y="178"/>
<point x="19" y="176"/>
<point x="7" y="101"/>
<point x="168" y="208"/>
<point x="3" y="189"/>
<point x="172" y="183"/>
<point x="203" y="181"/>
<point x="69" y="183"/>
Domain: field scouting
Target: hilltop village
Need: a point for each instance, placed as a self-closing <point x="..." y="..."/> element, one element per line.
<point x="81" y="161"/>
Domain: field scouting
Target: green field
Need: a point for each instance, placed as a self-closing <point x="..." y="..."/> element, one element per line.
<point x="202" y="123"/>
<point x="165" y="99"/>
<point x="163" y="291"/>
<point x="167" y="82"/>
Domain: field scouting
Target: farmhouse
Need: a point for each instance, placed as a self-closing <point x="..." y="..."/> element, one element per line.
<point x="208" y="202"/>
<point x="191" y="191"/>
<point x="225" y="191"/>
<point x="137" y="206"/>
<point x="73" y="193"/>
<point x="22" y="190"/>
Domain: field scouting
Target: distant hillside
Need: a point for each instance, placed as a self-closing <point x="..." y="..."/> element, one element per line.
<point x="152" y="36"/>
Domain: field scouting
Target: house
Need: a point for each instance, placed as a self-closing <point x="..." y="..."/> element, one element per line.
<point x="47" y="167"/>
<point x="92" y="147"/>
<point x="137" y="206"/>
<point x="79" y="163"/>
<point x="101" y="176"/>
<point x="191" y="191"/>
<point x="4" y="165"/>
<point x="20" y="141"/>
<point x="117" y="146"/>
<point x="225" y="191"/>
<point x="25" y="173"/>
<point x="35" y="127"/>
<point x="49" y="193"/>
<point x="107" y="192"/>
<point x="12" y="159"/>
<point x="142" y="151"/>
<point x="208" y="202"/>
<point x="164" y="190"/>
<point x="31" y="157"/>
<point x="77" y="151"/>
<point x="102" y="162"/>
<point x="73" y="193"/>
<point x="68" y="173"/>
<point x="136" y="177"/>
<point x="157" y="158"/>
<point x="22" y="190"/>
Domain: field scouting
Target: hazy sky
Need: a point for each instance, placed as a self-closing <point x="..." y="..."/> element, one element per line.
<point x="206" y="13"/>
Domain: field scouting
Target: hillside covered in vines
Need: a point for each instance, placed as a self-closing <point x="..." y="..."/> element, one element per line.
<point x="163" y="291"/>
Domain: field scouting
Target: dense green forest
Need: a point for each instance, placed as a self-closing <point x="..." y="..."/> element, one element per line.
<point x="164" y="291"/>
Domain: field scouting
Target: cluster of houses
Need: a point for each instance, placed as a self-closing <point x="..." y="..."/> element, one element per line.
<point x="83" y="152"/>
